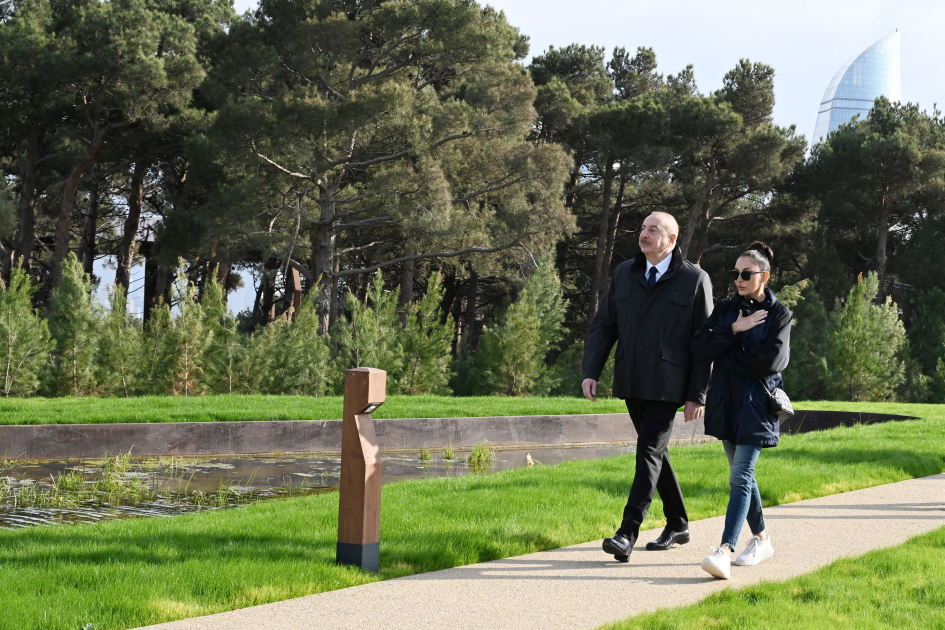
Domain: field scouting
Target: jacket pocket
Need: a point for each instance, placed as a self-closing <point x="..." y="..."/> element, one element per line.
<point x="676" y="356"/>
<point x="683" y="299"/>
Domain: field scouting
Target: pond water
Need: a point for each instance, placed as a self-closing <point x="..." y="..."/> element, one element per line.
<point x="58" y="492"/>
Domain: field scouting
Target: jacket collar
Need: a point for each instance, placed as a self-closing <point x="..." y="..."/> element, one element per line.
<point x="766" y="303"/>
<point x="639" y="261"/>
<point x="639" y="266"/>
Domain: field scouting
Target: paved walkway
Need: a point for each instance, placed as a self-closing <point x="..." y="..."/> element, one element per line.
<point x="581" y="587"/>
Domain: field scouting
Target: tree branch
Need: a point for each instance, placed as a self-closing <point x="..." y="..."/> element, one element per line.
<point x="278" y="166"/>
<point x="490" y="189"/>
<point x="459" y="252"/>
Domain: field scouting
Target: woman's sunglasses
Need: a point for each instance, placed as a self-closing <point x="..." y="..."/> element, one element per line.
<point x="746" y="275"/>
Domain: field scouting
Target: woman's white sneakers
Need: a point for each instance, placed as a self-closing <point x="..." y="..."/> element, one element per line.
<point x="719" y="563"/>
<point x="756" y="551"/>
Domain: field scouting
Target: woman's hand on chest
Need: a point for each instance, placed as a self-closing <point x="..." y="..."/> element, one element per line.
<point x="743" y="322"/>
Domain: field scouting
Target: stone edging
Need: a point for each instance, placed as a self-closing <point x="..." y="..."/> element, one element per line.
<point x="70" y="441"/>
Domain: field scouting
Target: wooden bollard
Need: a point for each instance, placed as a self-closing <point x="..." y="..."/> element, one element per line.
<point x="359" y="508"/>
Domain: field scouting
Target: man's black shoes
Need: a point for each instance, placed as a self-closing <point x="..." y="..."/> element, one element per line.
<point x="619" y="546"/>
<point x="668" y="539"/>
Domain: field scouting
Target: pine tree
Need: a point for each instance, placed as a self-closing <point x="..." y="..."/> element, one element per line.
<point x="916" y="386"/>
<point x="937" y="384"/>
<point x="24" y="334"/>
<point x="74" y="323"/>
<point x="299" y="357"/>
<point x="159" y="352"/>
<point x="507" y="360"/>
<point x="544" y="286"/>
<point x="191" y="338"/>
<point x="176" y="346"/>
<point x="427" y="344"/>
<point x="227" y="348"/>
<point x="864" y="344"/>
<point x="121" y="351"/>
<point x="256" y="357"/>
<point x="511" y="357"/>
<point x="805" y="376"/>
<point x="373" y="336"/>
<point x="927" y="330"/>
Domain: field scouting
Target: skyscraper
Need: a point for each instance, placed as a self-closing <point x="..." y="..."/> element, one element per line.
<point x="874" y="72"/>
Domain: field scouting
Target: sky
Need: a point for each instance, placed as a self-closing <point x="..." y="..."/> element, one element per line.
<point x="805" y="41"/>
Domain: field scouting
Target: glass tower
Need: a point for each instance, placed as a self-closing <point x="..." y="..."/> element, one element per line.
<point x="874" y="72"/>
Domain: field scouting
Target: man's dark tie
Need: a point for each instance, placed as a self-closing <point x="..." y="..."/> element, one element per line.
<point x="651" y="280"/>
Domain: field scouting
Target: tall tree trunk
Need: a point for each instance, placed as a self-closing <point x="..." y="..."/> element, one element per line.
<point x="26" y="210"/>
<point x="323" y="254"/>
<point x="156" y="287"/>
<point x="333" y="308"/>
<point x="882" y="234"/>
<point x="265" y="310"/>
<point x="573" y="182"/>
<point x="6" y="261"/>
<point x="695" y="213"/>
<point x="612" y="237"/>
<point x="698" y="209"/>
<point x="223" y="271"/>
<point x="406" y="281"/>
<point x="457" y="312"/>
<point x="157" y="283"/>
<point x="696" y="258"/>
<point x="90" y="228"/>
<point x="469" y="316"/>
<point x="449" y="293"/>
<point x="293" y="290"/>
<point x="64" y="222"/>
<point x="126" y="249"/>
<point x="603" y="224"/>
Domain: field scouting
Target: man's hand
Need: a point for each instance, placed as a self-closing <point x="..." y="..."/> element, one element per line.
<point x="590" y="389"/>
<point x="692" y="412"/>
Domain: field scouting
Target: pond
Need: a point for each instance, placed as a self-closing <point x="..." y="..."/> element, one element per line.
<point x="52" y="492"/>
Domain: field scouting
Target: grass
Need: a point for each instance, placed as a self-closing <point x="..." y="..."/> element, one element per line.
<point x="122" y="574"/>
<point x="899" y="587"/>
<point x="232" y="408"/>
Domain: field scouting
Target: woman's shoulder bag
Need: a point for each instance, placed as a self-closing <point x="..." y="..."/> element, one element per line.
<point x="780" y="404"/>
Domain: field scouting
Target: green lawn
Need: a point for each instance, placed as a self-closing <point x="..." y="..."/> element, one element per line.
<point x="122" y="574"/>
<point x="899" y="587"/>
<point x="231" y="408"/>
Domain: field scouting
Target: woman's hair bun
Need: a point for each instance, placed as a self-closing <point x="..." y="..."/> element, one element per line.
<point x="763" y="249"/>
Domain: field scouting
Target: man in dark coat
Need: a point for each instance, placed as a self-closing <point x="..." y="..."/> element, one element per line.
<point x="654" y="305"/>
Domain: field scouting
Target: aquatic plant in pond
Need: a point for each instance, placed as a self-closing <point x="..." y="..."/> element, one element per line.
<point x="424" y="453"/>
<point x="482" y="457"/>
<point x="118" y="486"/>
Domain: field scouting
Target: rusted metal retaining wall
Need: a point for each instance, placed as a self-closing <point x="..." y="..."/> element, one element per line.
<point x="67" y="441"/>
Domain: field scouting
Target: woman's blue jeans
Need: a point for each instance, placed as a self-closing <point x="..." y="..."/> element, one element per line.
<point x="744" y="500"/>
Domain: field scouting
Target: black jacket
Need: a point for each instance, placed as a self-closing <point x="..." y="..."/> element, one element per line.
<point x="737" y="407"/>
<point x="652" y="329"/>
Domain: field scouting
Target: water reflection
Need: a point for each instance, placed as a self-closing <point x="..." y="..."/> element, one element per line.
<point x="30" y="494"/>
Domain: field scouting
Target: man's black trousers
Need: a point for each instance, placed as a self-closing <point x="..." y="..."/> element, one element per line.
<point x="653" y="421"/>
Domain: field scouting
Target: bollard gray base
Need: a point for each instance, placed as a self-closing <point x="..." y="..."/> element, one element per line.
<point x="367" y="557"/>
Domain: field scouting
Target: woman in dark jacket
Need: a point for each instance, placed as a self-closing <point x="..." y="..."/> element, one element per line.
<point x="747" y="339"/>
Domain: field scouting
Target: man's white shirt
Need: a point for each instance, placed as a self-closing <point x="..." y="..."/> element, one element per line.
<point x="660" y="268"/>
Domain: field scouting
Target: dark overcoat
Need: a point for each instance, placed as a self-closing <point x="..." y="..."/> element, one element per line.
<point x="737" y="408"/>
<point x="653" y="329"/>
